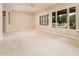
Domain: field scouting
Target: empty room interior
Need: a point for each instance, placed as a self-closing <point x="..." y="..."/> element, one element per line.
<point x="39" y="29"/>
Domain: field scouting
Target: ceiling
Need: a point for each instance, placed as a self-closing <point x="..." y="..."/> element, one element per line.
<point x="28" y="7"/>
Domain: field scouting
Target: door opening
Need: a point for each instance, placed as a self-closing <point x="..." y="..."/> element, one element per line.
<point x="4" y="21"/>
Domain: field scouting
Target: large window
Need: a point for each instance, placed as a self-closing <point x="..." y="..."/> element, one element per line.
<point x="47" y="20"/>
<point x="53" y="19"/>
<point x="72" y="18"/>
<point x="44" y="20"/>
<point x="62" y="18"/>
<point x="40" y="20"/>
<point x="65" y="18"/>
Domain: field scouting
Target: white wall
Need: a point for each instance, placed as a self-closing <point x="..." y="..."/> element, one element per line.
<point x="0" y="21"/>
<point x="20" y="21"/>
<point x="64" y="32"/>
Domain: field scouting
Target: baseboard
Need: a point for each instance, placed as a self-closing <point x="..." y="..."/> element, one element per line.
<point x="18" y="30"/>
<point x="61" y="34"/>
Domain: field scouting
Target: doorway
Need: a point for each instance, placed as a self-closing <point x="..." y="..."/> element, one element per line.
<point x="4" y="21"/>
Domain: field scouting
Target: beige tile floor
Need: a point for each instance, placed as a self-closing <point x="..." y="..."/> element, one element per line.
<point x="31" y="43"/>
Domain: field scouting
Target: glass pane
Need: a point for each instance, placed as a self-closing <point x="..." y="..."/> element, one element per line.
<point x="44" y="20"/>
<point x="39" y="20"/>
<point x="53" y="19"/>
<point x="62" y="19"/>
<point x="72" y="18"/>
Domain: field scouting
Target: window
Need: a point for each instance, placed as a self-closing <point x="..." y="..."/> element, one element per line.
<point x="53" y="19"/>
<point x="44" y="20"/>
<point x="62" y="18"/>
<point x="47" y="19"/>
<point x="72" y="18"/>
<point x="39" y="20"/>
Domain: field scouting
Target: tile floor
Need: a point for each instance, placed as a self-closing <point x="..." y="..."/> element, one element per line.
<point x="31" y="43"/>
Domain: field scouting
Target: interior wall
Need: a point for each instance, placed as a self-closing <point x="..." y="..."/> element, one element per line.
<point x="19" y="21"/>
<point x="0" y="21"/>
<point x="64" y="32"/>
